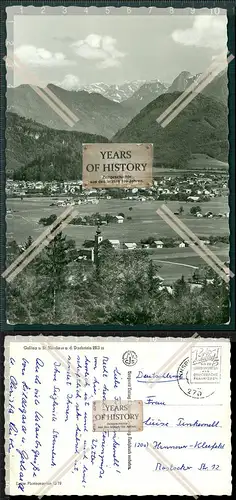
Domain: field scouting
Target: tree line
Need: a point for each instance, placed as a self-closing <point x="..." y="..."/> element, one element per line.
<point x="124" y="288"/>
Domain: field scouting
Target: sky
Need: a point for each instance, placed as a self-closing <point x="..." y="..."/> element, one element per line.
<point x="77" y="50"/>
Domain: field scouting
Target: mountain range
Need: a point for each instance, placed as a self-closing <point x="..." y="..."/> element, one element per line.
<point x="143" y="95"/>
<point x="133" y="92"/>
<point x="96" y="114"/>
<point x="217" y="88"/>
<point x="37" y="152"/>
<point x="40" y="145"/>
<point x="201" y="127"/>
<point x="115" y="92"/>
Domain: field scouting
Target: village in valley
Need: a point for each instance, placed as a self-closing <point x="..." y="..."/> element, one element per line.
<point x="194" y="196"/>
<point x="121" y="161"/>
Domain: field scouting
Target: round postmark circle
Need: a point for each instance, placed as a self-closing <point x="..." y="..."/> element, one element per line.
<point x="196" y="391"/>
<point x="130" y="358"/>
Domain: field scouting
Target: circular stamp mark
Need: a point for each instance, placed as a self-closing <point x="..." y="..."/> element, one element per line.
<point x="195" y="391"/>
<point x="130" y="358"/>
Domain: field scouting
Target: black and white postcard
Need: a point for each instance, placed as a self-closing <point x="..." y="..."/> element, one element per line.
<point x="117" y="166"/>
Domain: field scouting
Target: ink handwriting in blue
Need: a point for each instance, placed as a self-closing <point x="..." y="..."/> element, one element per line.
<point x="78" y="378"/>
<point x="117" y="377"/>
<point x="68" y="372"/>
<point x="93" y="450"/>
<point x="104" y="366"/>
<point x="95" y="383"/>
<point x="95" y="362"/>
<point x="55" y="402"/>
<point x="36" y="449"/>
<point x="77" y="438"/>
<point x="69" y="401"/>
<point x="23" y="457"/>
<point x="180" y="423"/>
<point x="23" y="366"/>
<point x="12" y="387"/>
<point x="56" y="366"/>
<point x="104" y="391"/>
<point x="13" y="431"/>
<point x="37" y="444"/>
<point x="39" y="364"/>
<point x="24" y="406"/>
<point x="115" y="445"/>
<point x="151" y="400"/>
<point x="157" y="378"/>
<point x="55" y="435"/>
<point x="102" y="456"/>
<point x="85" y="421"/>
<point x="86" y="365"/>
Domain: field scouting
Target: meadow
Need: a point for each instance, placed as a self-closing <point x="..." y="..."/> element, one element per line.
<point x="23" y="222"/>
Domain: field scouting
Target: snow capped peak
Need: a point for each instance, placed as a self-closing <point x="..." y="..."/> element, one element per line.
<point x="115" y="92"/>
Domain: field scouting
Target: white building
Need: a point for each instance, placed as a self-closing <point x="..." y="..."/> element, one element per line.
<point x="130" y="246"/>
<point x="168" y="289"/>
<point x="193" y="198"/>
<point x="159" y="244"/>
<point x="120" y="219"/>
<point x="115" y="244"/>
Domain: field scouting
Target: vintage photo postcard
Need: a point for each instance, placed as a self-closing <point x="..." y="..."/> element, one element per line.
<point x="83" y="416"/>
<point x="117" y="166"/>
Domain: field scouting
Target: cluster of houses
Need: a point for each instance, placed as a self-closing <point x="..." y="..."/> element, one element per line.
<point x="191" y="187"/>
<point x="87" y="253"/>
<point x="72" y="202"/>
<point x="211" y="215"/>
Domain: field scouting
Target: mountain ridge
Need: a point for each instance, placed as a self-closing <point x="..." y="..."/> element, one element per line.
<point x="37" y="152"/>
<point x="201" y="127"/>
<point x="96" y="114"/>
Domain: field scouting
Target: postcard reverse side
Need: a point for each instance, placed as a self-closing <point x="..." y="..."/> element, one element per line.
<point x="117" y="416"/>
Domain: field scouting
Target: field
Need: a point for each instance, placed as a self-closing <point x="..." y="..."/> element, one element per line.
<point x="23" y="222"/>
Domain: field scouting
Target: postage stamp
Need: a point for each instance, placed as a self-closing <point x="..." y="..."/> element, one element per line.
<point x="205" y="364"/>
<point x="117" y="416"/>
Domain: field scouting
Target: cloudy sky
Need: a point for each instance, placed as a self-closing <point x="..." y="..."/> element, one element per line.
<point x="79" y="49"/>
